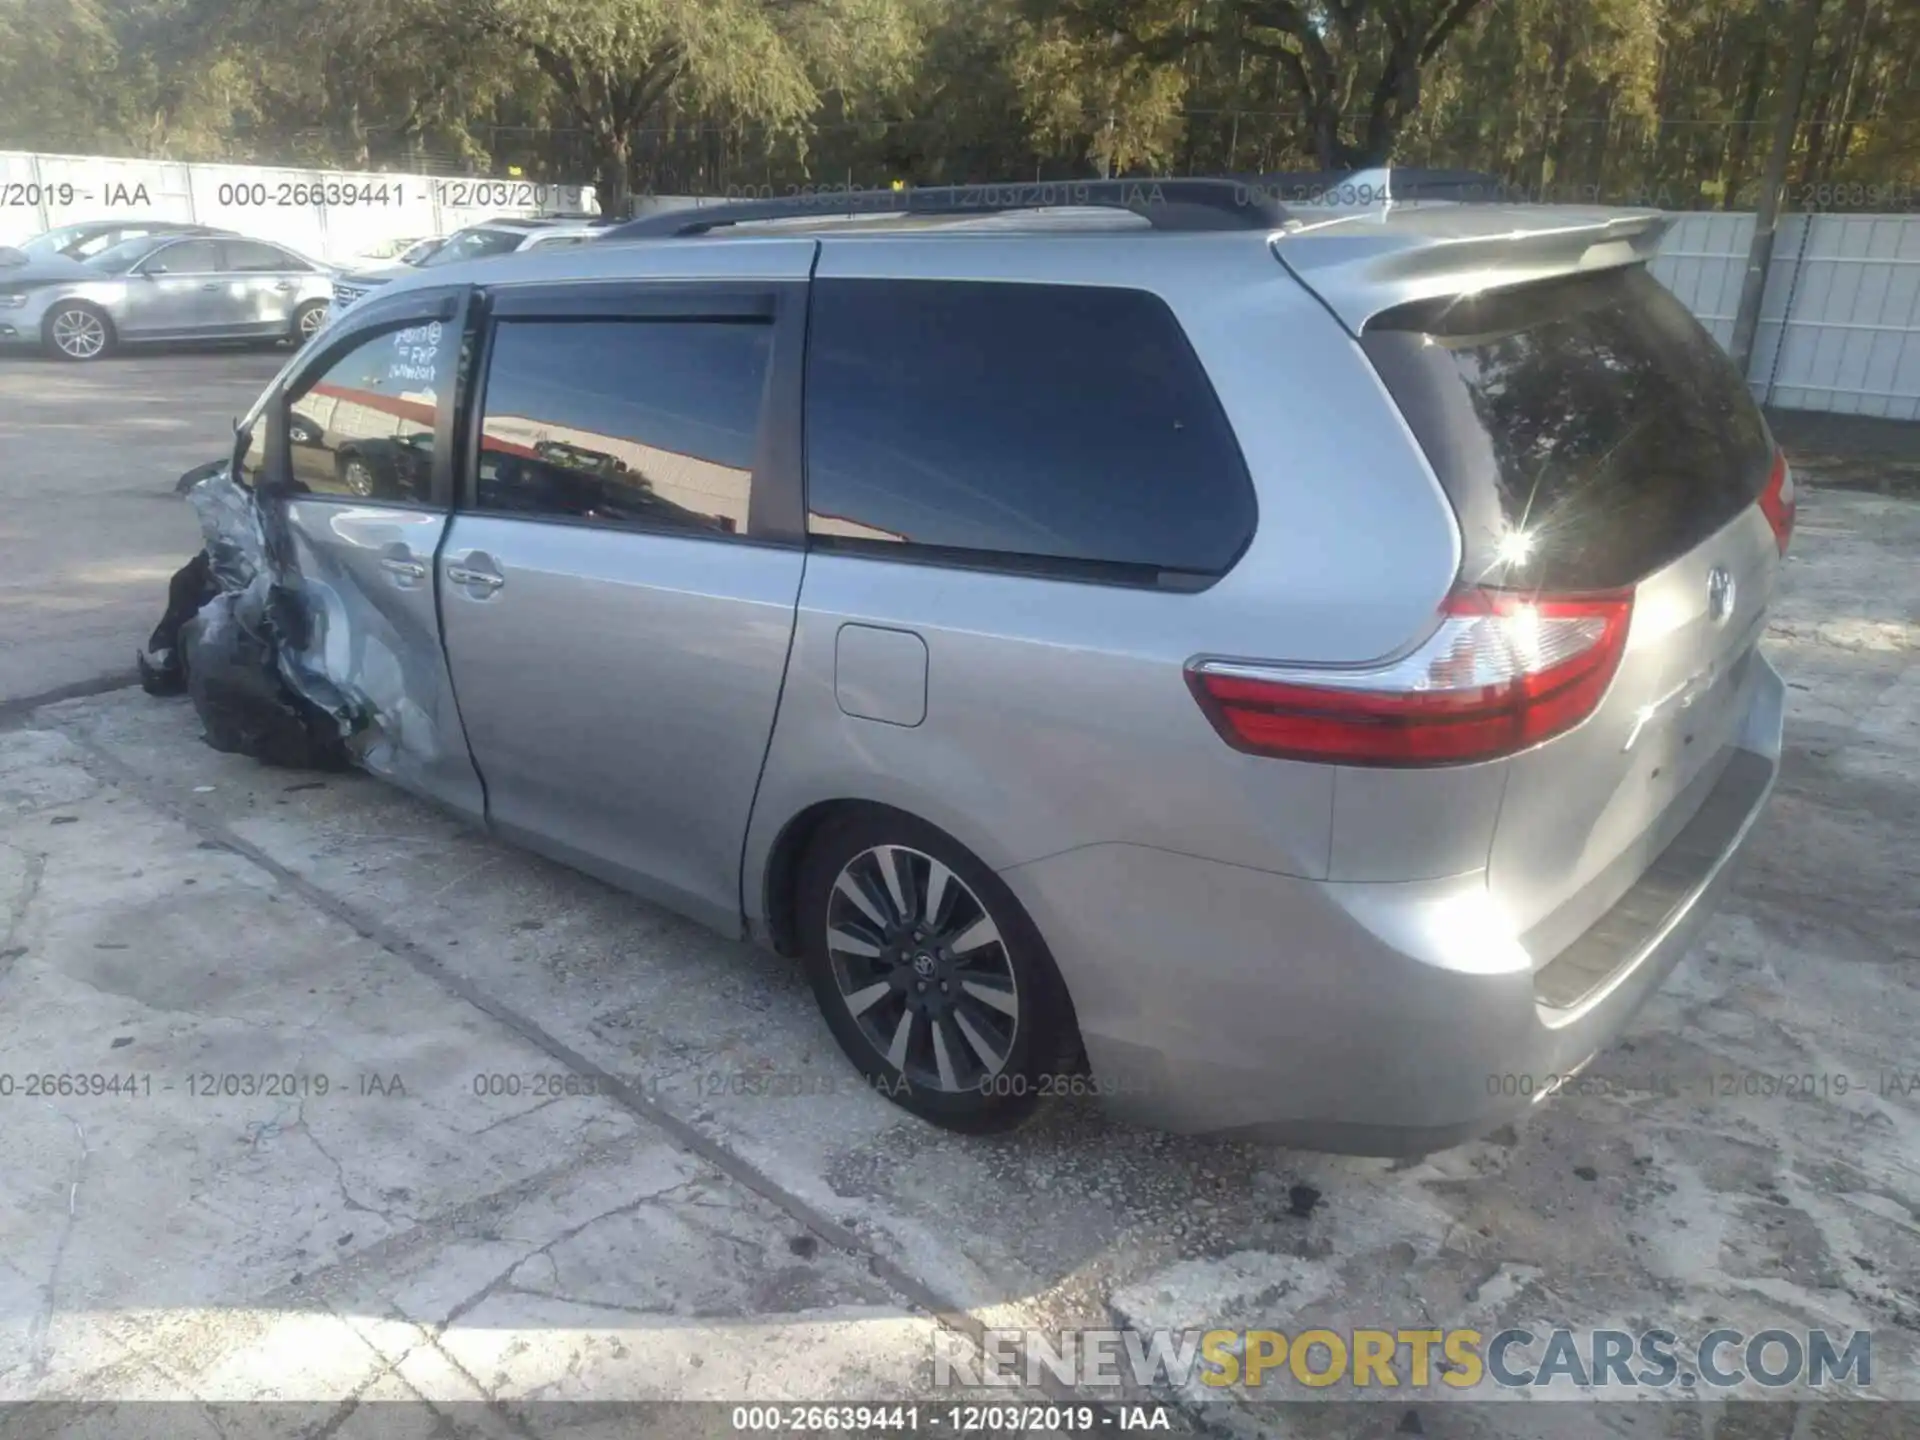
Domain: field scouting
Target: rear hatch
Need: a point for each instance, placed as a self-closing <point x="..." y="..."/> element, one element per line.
<point x="1595" y="441"/>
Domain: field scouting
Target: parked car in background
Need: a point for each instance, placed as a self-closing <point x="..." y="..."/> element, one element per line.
<point x="1304" y="659"/>
<point x="161" y="287"/>
<point x="417" y="252"/>
<point x="91" y="237"/>
<point x="476" y="242"/>
<point x="408" y="250"/>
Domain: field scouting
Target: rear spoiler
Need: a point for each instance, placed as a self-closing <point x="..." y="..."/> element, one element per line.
<point x="1361" y="263"/>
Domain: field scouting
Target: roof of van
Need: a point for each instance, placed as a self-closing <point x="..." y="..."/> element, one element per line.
<point x="1358" y="258"/>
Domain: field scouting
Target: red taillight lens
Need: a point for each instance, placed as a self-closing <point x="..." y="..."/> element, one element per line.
<point x="1777" y="501"/>
<point x="1502" y="672"/>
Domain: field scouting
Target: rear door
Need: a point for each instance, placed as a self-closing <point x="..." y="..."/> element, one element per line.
<point x="362" y="557"/>
<point x="1593" y="437"/>
<point x="618" y="588"/>
<point x="265" y="281"/>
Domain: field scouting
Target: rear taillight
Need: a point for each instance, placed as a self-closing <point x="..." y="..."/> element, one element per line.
<point x="1777" y="500"/>
<point x="1504" y="670"/>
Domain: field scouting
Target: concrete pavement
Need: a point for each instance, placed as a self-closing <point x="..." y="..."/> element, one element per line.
<point x="90" y="529"/>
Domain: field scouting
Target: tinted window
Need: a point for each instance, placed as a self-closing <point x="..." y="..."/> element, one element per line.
<point x="365" y="426"/>
<point x="642" y="422"/>
<point x="185" y="257"/>
<point x="1588" y="431"/>
<point x="1013" y="424"/>
<point x="252" y="255"/>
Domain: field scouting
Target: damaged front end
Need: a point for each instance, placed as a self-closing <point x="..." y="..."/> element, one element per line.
<point x="243" y="636"/>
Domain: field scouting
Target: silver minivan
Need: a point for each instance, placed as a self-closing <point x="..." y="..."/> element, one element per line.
<point x="1288" y="669"/>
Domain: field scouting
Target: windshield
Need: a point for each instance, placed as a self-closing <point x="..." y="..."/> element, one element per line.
<point x="119" y="259"/>
<point x="53" y="242"/>
<point x="474" y="244"/>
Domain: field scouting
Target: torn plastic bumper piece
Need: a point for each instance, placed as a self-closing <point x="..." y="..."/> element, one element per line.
<point x="247" y="656"/>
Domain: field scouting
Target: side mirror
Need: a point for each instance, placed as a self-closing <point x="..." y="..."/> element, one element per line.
<point x="237" y="462"/>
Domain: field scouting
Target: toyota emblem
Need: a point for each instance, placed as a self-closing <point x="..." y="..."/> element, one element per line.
<point x="1720" y="591"/>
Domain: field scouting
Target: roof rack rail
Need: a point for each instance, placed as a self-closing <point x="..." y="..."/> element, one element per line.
<point x="1250" y="202"/>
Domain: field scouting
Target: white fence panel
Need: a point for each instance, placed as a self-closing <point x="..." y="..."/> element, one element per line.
<point x="1840" y="325"/>
<point x="331" y="215"/>
<point x="1701" y="260"/>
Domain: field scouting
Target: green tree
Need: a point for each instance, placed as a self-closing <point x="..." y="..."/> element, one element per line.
<point x="619" y="67"/>
<point x="1353" y="67"/>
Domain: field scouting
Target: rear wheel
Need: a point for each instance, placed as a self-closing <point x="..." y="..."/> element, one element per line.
<point x="929" y="973"/>
<point x="307" y="321"/>
<point x="75" y="330"/>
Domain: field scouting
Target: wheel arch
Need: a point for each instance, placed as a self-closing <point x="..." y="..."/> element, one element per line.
<point x="777" y="924"/>
<point x="771" y="917"/>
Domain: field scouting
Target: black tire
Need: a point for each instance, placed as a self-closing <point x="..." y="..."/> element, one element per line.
<point x="999" y="1062"/>
<point x="77" y="331"/>
<point x="306" y="320"/>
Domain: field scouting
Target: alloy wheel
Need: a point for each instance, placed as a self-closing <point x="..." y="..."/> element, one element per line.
<point x="79" y="334"/>
<point x="921" y="966"/>
<point x="310" y="320"/>
<point x="358" y="478"/>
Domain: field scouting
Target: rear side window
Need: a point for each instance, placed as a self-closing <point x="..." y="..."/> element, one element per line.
<point x="1588" y="431"/>
<point x="186" y="257"/>
<point x="1061" y="429"/>
<point x="251" y="255"/>
<point x="642" y="423"/>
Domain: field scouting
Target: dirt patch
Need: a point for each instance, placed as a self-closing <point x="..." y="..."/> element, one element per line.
<point x="1852" y="452"/>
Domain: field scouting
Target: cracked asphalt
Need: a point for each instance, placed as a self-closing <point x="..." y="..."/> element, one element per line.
<point x="399" y="1112"/>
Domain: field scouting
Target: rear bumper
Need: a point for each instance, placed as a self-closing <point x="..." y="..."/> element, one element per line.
<point x="1380" y="1019"/>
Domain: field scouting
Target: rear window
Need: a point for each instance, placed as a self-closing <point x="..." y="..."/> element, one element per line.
<point x="1055" y="429"/>
<point x="1588" y="431"/>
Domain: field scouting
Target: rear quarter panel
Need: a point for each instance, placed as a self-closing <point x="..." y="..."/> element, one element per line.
<point x="1057" y="713"/>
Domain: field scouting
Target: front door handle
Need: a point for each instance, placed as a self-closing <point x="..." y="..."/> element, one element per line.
<point x="476" y="572"/>
<point x="480" y="579"/>
<point x="211" y="285"/>
<point x="284" y="286"/>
